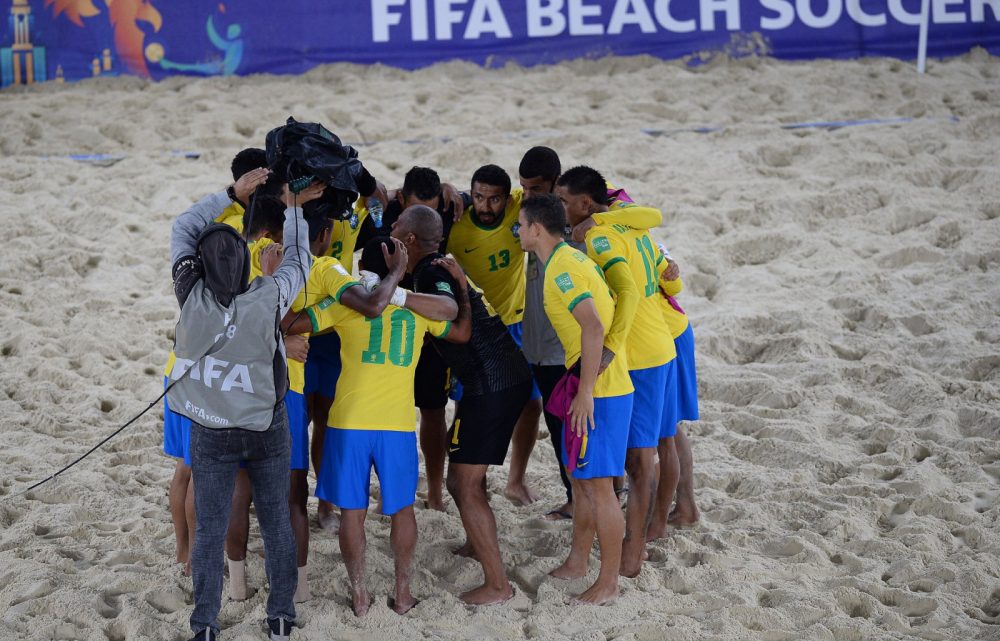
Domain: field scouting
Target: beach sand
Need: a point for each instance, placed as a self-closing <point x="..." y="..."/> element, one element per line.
<point x="844" y="287"/>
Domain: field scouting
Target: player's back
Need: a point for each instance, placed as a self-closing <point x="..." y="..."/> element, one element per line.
<point x="649" y="343"/>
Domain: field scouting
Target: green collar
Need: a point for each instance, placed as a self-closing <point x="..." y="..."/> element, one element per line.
<point x="554" y="250"/>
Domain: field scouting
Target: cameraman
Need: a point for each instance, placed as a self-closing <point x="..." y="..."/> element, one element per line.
<point x="230" y="379"/>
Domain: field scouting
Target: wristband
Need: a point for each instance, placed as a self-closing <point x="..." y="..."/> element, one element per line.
<point x="231" y="192"/>
<point x="398" y="297"/>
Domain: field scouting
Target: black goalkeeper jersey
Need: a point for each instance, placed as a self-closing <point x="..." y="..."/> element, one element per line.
<point x="491" y="361"/>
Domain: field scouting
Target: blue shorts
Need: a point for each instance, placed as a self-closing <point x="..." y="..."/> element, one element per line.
<point x="687" y="377"/>
<point x="344" y="477"/>
<point x="647" y="405"/>
<point x="516" y="330"/>
<point x="603" y="451"/>
<point x="668" y="422"/>
<point x="298" y="426"/>
<point x="323" y="365"/>
<point x="176" y="432"/>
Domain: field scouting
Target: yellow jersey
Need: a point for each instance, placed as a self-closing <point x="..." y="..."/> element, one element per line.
<point x="379" y="360"/>
<point x="232" y="216"/>
<point x="326" y="278"/>
<point x="493" y="258"/>
<point x="344" y="235"/>
<point x="571" y="277"/>
<point x="648" y="343"/>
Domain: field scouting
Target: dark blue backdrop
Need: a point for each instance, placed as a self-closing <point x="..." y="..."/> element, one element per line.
<point x="72" y="39"/>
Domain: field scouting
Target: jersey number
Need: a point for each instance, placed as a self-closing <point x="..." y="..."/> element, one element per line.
<point x="402" y="327"/>
<point x="500" y="260"/>
<point x="649" y="262"/>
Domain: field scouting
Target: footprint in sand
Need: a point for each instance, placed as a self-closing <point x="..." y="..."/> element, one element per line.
<point x="166" y="602"/>
<point x="36" y="590"/>
<point x="108" y="604"/>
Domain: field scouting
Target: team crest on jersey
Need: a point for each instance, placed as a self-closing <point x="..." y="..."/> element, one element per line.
<point x="515" y="229"/>
<point x="564" y="282"/>
<point x="601" y="244"/>
<point x="353" y="221"/>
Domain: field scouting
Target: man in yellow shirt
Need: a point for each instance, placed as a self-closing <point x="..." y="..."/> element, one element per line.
<point x="579" y="304"/>
<point x="628" y="258"/>
<point x="371" y="424"/>
<point x="485" y="244"/>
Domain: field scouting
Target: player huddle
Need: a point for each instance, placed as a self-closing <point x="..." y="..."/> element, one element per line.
<point x="550" y="297"/>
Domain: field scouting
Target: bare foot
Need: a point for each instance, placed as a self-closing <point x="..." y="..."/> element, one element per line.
<point x="466" y="550"/>
<point x="569" y="571"/>
<point x="562" y="513"/>
<point x="629" y="570"/>
<point x="519" y="494"/>
<point x="329" y="521"/>
<point x="655" y="531"/>
<point x="488" y="595"/>
<point x="435" y="504"/>
<point x="187" y="568"/>
<point x="599" y="594"/>
<point x="360" y="602"/>
<point x="683" y="517"/>
<point x="302" y="594"/>
<point x="402" y="606"/>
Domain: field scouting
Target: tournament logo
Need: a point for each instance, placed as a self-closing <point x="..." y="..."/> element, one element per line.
<point x="564" y="282"/>
<point x="601" y="244"/>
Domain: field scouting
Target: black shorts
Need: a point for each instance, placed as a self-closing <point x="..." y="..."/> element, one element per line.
<point x="483" y="426"/>
<point x="431" y="380"/>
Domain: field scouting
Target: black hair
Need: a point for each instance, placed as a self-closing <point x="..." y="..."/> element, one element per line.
<point x="371" y="256"/>
<point x="422" y="182"/>
<point x="247" y="160"/>
<point x="540" y="162"/>
<point x="268" y="216"/>
<point x="546" y="210"/>
<point x="585" y="180"/>
<point x="493" y="176"/>
<point x="317" y="225"/>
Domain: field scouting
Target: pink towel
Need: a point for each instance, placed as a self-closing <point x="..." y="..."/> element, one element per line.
<point x="558" y="405"/>
<point x="673" y="303"/>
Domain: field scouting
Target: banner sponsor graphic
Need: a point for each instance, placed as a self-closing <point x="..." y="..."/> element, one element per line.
<point x="74" y="39"/>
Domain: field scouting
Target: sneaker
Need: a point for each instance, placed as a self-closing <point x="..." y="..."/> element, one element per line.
<point x="208" y="634"/>
<point x="279" y="629"/>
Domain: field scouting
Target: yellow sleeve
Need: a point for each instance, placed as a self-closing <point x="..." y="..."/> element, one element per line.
<point x="605" y="249"/>
<point x="620" y="280"/>
<point x="572" y="289"/>
<point x="232" y="216"/>
<point x="633" y="216"/>
<point x="438" y="329"/>
<point x="326" y="314"/>
<point x="334" y="280"/>
<point x="255" y="248"/>
<point x="669" y="287"/>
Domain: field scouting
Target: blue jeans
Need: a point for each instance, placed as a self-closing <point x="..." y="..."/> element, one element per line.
<point x="215" y="458"/>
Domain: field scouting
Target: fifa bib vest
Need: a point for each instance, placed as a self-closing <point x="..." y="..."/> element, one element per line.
<point x="230" y="368"/>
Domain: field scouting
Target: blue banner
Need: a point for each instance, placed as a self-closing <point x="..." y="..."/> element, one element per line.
<point x="73" y="39"/>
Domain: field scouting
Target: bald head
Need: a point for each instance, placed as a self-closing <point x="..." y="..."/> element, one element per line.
<point x="424" y="223"/>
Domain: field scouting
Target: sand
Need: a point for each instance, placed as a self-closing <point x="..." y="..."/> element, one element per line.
<point x="843" y="285"/>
